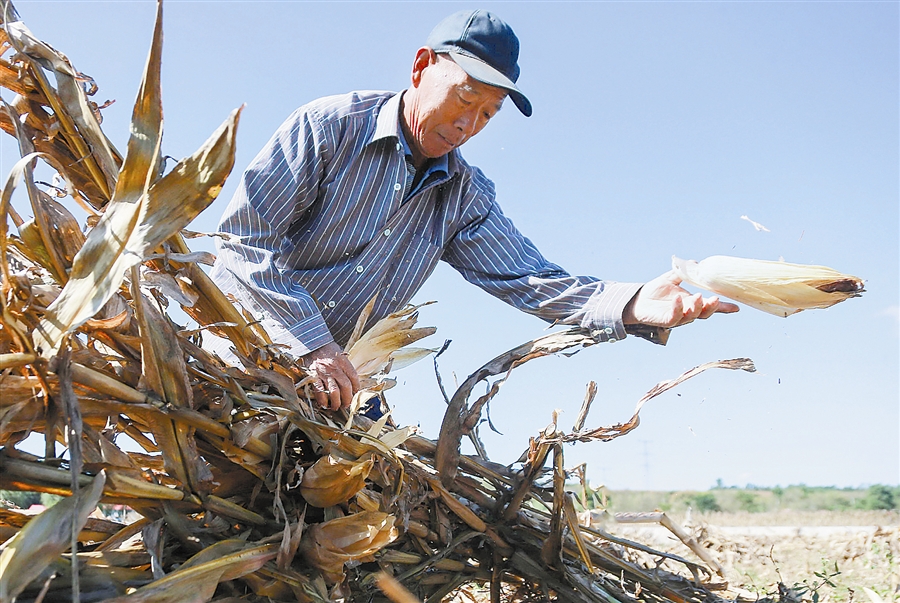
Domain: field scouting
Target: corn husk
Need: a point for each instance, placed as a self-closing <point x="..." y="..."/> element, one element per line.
<point x="779" y="288"/>
<point x="332" y="480"/>
<point x="380" y="346"/>
<point x="329" y="545"/>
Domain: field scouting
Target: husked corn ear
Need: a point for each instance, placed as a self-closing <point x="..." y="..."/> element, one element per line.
<point x="332" y="480"/>
<point x="778" y="288"/>
<point x="327" y="546"/>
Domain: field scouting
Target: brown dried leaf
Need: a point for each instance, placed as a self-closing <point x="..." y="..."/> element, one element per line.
<point x="332" y="480"/>
<point x="196" y="583"/>
<point x="329" y="545"/>
<point x="141" y="216"/>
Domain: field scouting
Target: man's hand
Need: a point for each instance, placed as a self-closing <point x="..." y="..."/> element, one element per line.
<point x="662" y="303"/>
<point x="336" y="379"/>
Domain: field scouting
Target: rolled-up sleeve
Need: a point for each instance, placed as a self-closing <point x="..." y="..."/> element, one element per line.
<point x="280" y="184"/>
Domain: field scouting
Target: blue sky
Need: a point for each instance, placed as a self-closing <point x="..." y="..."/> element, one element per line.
<point x="656" y="126"/>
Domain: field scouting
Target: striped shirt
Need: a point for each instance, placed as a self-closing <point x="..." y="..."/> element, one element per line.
<point x="320" y="226"/>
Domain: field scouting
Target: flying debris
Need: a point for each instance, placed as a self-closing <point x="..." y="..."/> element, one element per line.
<point x="756" y="225"/>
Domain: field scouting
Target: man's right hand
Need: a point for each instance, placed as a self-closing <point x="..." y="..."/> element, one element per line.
<point x="335" y="378"/>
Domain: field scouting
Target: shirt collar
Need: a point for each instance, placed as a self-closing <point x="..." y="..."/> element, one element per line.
<point x="387" y="125"/>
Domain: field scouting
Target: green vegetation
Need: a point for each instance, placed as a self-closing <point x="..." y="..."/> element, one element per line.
<point x="756" y="499"/>
<point x="23" y="499"/>
<point x="19" y="498"/>
<point x="706" y="502"/>
<point x="880" y="497"/>
<point x="748" y="501"/>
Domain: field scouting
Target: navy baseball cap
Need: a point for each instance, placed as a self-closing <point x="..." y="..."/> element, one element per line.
<point x="485" y="47"/>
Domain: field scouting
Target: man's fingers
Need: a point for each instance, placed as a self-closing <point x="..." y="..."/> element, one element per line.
<point x="694" y="306"/>
<point x="709" y="308"/>
<point x="345" y="389"/>
<point x="350" y="372"/>
<point x="690" y="308"/>
<point x="714" y="305"/>
<point x="320" y="393"/>
<point x="334" y="393"/>
<point x="677" y="312"/>
<point x="727" y="308"/>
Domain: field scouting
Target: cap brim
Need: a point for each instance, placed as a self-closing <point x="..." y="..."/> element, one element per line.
<point x="481" y="71"/>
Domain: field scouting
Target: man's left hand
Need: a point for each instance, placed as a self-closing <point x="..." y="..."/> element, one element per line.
<point x="663" y="303"/>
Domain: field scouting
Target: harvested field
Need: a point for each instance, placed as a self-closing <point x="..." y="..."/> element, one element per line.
<point x="839" y="553"/>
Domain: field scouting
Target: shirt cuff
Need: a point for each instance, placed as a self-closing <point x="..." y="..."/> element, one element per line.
<point x="604" y="311"/>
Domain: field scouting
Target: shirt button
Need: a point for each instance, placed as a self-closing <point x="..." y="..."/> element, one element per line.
<point x="387" y="232"/>
<point x="608" y="330"/>
<point x="397" y="187"/>
<point x="331" y="304"/>
<point x="398" y="146"/>
<point x="612" y="340"/>
<point x="359" y="268"/>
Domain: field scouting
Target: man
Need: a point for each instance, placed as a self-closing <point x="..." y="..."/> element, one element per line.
<point x="361" y="194"/>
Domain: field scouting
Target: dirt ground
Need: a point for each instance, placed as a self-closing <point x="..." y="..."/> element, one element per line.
<point x="829" y="554"/>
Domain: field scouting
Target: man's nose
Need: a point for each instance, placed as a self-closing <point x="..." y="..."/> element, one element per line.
<point x="466" y="122"/>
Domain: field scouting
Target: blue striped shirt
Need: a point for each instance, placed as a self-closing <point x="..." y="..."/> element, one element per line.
<point x="319" y="227"/>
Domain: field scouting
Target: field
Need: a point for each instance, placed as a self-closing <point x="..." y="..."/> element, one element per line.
<point x="830" y="553"/>
<point x="821" y="544"/>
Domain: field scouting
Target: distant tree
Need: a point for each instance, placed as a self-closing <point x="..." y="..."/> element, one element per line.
<point x="748" y="502"/>
<point x="706" y="502"/>
<point x="48" y="500"/>
<point x="879" y="497"/>
<point x="778" y="491"/>
<point x="19" y="498"/>
<point x="719" y="484"/>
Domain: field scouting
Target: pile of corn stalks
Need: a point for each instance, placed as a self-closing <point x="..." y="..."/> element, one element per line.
<point x="243" y="490"/>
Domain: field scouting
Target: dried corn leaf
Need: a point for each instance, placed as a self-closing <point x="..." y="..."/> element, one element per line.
<point x="329" y="545"/>
<point x="141" y="216"/>
<point x="165" y="370"/>
<point x="196" y="583"/>
<point x="170" y="286"/>
<point x="332" y="480"/>
<point x="101" y="263"/>
<point x="406" y="356"/>
<point x="44" y="538"/>
<point x="69" y="105"/>
<point x="371" y="355"/>
<point x="371" y="352"/>
<point x="778" y="288"/>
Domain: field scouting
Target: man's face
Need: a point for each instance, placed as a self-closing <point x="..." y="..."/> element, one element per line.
<point x="445" y="107"/>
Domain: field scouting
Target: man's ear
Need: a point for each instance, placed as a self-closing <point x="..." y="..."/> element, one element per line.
<point x="425" y="57"/>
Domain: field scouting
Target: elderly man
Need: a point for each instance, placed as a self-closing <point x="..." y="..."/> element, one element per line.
<point x="361" y="194"/>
